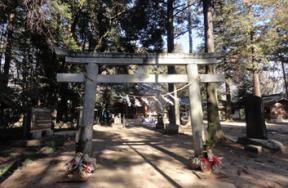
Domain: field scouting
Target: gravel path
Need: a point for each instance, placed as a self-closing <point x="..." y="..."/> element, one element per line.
<point x="143" y="157"/>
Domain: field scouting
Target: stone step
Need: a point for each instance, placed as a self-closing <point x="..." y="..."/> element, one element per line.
<point x="253" y="148"/>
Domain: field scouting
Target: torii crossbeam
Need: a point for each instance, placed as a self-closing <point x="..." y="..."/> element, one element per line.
<point x="91" y="78"/>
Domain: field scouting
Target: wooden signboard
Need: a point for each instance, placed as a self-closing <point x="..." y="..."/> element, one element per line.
<point x="40" y="119"/>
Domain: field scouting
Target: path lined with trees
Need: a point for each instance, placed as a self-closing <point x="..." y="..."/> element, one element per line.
<point x="254" y="33"/>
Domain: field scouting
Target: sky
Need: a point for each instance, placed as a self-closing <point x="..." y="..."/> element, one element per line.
<point x="184" y="40"/>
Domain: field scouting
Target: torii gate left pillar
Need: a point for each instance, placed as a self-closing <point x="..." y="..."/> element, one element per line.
<point x="85" y="135"/>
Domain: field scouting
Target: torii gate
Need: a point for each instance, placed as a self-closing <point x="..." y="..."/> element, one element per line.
<point x="92" y="78"/>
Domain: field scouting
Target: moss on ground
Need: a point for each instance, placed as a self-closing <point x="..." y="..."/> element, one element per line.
<point x="7" y="169"/>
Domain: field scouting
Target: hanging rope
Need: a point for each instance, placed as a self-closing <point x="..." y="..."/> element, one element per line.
<point x="198" y="77"/>
<point x="128" y="100"/>
<point x="89" y="78"/>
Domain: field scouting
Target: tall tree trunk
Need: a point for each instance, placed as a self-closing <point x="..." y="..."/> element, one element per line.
<point x="54" y="106"/>
<point x="284" y="78"/>
<point x="56" y="96"/>
<point x="189" y="118"/>
<point x="171" y="69"/>
<point x="190" y="27"/>
<point x="228" y="98"/>
<point x="9" y="44"/>
<point x="1" y="117"/>
<point x="64" y="88"/>
<point x="103" y="70"/>
<point x="2" y="45"/>
<point x="177" y="108"/>
<point x="170" y="27"/>
<point x="214" y="127"/>
<point x="257" y="91"/>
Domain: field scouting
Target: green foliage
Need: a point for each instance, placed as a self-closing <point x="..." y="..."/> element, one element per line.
<point x="49" y="150"/>
<point x="9" y="168"/>
<point x="212" y="141"/>
<point x="123" y="26"/>
<point x="80" y="146"/>
<point x="5" y="167"/>
<point x="74" y="25"/>
<point x="141" y="24"/>
<point x="246" y="31"/>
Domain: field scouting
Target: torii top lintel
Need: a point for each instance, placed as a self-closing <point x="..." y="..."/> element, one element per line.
<point x="139" y="59"/>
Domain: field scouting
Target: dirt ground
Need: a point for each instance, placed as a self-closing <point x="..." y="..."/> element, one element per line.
<point x="143" y="157"/>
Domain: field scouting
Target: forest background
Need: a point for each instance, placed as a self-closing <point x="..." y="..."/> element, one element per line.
<point x="253" y="32"/>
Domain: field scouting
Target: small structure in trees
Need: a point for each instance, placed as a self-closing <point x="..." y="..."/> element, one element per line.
<point x="36" y="121"/>
<point x="235" y="110"/>
<point x="275" y="107"/>
<point x="148" y="92"/>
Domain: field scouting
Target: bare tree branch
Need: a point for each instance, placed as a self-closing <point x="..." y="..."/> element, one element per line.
<point x="109" y="29"/>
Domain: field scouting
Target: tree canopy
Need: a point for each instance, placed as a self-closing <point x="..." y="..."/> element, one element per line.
<point x="253" y="32"/>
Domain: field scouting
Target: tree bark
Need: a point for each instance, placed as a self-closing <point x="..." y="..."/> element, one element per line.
<point x="9" y="44"/>
<point x="257" y="91"/>
<point x="170" y="27"/>
<point x="189" y="118"/>
<point x="2" y="44"/>
<point x="173" y="111"/>
<point x="64" y="103"/>
<point x="55" y="61"/>
<point x="284" y="78"/>
<point x="228" y="99"/>
<point x="190" y="27"/>
<point x="54" y="105"/>
<point x="214" y="127"/>
<point x="1" y="117"/>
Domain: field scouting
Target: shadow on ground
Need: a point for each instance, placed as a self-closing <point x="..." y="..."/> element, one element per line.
<point x="141" y="156"/>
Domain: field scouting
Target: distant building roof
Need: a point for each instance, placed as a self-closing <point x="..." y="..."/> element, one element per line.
<point x="184" y="101"/>
<point x="146" y="89"/>
<point x="267" y="99"/>
<point x="271" y="99"/>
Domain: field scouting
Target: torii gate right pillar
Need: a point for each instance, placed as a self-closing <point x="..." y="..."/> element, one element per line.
<point x="195" y="108"/>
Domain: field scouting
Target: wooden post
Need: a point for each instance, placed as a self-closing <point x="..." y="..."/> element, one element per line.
<point x="126" y="109"/>
<point x="85" y="133"/>
<point x="195" y="108"/>
<point x="145" y="109"/>
<point x="1" y="115"/>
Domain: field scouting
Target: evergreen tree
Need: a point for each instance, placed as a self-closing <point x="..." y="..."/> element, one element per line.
<point x="214" y="126"/>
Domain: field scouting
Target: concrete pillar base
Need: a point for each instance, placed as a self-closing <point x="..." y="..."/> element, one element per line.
<point x="118" y="126"/>
<point x="159" y="126"/>
<point x="172" y="129"/>
<point x="49" y="133"/>
<point x="37" y="135"/>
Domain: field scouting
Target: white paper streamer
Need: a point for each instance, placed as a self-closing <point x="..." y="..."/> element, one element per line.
<point x="160" y="104"/>
<point x="128" y="100"/>
<point x="114" y="94"/>
<point x="167" y="100"/>
<point x="175" y="98"/>
<point x="145" y="100"/>
<point x="137" y="102"/>
<point x="122" y="97"/>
